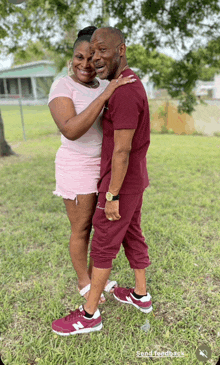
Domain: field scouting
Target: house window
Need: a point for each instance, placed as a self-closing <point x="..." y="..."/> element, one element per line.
<point x="12" y="86"/>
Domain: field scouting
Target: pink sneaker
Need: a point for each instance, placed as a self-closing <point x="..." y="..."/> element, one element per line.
<point x="76" y="322"/>
<point x="124" y="295"/>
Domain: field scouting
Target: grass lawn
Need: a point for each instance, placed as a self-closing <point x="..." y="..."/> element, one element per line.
<point x="37" y="122"/>
<point x="180" y="220"/>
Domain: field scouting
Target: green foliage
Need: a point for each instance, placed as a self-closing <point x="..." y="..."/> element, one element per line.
<point x="180" y="20"/>
<point x="178" y="77"/>
<point x="162" y="22"/>
<point x="36" y="51"/>
<point x="187" y="103"/>
<point x="162" y="112"/>
<point x="208" y="73"/>
<point x="155" y="64"/>
<point x="32" y="52"/>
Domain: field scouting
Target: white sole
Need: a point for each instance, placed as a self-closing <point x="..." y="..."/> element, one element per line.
<point x="84" y="330"/>
<point x="147" y="310"/>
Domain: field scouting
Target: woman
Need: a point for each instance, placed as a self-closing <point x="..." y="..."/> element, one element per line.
<point x="76" y="103"/>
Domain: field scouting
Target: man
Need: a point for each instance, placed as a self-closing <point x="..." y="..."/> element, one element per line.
<point x="126" y="138"/>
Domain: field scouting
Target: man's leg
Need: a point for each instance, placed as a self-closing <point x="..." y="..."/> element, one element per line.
<point x="138" y="296"/>
<point x="136" y="249"/>
<point x="91" y="264"/>
<point x="99" y="278"/>
<point x="140" y="282"/>
<point x="136" y="252"/>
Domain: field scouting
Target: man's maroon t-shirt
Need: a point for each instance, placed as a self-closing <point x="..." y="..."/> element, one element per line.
<point x="127" y="109"/>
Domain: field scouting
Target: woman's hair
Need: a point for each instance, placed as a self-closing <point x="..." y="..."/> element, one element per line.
<point x="84" y="34"/>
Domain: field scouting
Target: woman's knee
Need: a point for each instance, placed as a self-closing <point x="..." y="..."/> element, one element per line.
<point x="81" y="213"/>
<point x="81" y="231"/>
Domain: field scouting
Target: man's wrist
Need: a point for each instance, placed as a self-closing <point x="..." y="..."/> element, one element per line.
<point x="113" y="192"/>
<point x="111" y="197"/>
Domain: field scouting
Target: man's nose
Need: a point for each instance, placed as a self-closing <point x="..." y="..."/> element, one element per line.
<point x="96" y="56"/>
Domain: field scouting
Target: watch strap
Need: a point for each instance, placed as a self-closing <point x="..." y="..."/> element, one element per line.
<point x="115" y="197"/>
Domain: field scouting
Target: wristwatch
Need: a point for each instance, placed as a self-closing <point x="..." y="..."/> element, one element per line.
<point x="109" y="197"/>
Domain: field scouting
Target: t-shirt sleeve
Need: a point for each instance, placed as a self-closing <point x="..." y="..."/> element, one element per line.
<point x="59" y="88"/>
<point x="103" y="84"/>
<point x="124" y="108"/>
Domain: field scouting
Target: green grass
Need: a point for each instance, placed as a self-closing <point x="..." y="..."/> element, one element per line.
<point x="180" y="220"/>
<point x="37" y="122"/>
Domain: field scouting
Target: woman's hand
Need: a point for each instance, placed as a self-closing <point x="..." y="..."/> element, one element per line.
<point x="115" y="83"/>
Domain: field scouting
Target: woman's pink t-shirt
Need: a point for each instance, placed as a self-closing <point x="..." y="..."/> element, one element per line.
<point x="90" y="143"/>
<point x="78" y="162"/>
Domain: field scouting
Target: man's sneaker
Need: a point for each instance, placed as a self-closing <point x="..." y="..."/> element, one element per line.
<point x="76" y="322"/>
<point x="124" y="295"/>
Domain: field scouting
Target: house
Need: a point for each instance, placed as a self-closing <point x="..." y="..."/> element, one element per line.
<point x="205" y="88"/>
<point x="216" y="94"/>
<point x="210" y="89"/>
<point x="32" y="81"/>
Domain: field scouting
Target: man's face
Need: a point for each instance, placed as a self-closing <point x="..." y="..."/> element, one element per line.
<point x="105" y="51"/>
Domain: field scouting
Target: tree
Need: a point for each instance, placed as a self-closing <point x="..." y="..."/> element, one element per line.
<point x="34" y="51"/>
<point x="155" y="64"/>
<point x="191" y="27"/>
<point x="5" y="149"/>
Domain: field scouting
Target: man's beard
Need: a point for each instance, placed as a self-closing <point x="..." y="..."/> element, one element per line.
<point x="112" y="72"/>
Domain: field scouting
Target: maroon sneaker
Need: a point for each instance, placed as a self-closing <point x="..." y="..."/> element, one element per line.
<point x="76" y="322"/>
<point x="124" y="295"/>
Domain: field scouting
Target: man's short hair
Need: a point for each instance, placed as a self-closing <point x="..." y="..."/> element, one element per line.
<point x="116" y="32"/>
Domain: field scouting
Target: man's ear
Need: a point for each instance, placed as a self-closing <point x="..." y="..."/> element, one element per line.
<point x="122" y="50"/>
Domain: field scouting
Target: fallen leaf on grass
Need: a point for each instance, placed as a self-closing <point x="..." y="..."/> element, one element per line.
<point x="167" y="334"/>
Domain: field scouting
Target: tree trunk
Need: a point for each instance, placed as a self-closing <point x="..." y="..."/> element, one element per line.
<point x="5" y="149"/>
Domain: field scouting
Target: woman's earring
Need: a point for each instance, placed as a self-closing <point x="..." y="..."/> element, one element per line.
<point x="70" y="68"/>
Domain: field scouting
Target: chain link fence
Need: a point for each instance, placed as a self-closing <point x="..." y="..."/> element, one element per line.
<point x="164" y="115"/>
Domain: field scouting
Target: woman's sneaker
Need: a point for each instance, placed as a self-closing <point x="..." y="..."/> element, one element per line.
<point x="124" y="295"/>
<point x="76" y="322"/>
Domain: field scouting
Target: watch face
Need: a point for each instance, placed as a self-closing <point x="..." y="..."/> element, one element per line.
<point x="109" y="196"/>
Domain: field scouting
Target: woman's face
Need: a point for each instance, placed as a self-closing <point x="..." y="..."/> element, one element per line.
<point x="82" y="63"/>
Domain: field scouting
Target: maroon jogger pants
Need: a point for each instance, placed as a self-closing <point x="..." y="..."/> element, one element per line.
<point x="109" y="235"/>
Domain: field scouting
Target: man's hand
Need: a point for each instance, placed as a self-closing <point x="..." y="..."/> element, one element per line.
<point x="112" y="210"/>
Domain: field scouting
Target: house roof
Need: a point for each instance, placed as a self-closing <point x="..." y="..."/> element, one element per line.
<point x="36" y="69"/>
